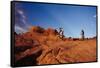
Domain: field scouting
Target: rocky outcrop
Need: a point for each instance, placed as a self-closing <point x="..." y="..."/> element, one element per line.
<point x="43" y="46"/>
<point x="37" y="29"/>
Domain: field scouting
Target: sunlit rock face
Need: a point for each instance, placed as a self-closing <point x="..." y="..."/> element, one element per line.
<point x="40" y="46"/>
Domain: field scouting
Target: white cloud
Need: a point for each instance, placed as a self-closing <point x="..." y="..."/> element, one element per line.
<point x="19" y="29"/>
<point x="21" y="24"/>
<point x="20" y="12"/>
<point x="23" y="20"/>
<point x="23" y="16"/>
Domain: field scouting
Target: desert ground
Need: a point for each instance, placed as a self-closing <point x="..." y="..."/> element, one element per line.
<point x="40" y="46"/>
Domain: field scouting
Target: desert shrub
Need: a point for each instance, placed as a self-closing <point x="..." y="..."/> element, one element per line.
<point x="51" y="31"/>
<point x="37" y="29"/>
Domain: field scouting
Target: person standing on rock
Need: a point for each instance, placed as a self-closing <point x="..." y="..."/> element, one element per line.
<point x="82" y="34"/>
<point x="61" y="32"/>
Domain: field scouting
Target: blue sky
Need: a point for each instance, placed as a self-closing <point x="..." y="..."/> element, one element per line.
<point x="70" y="17"/>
